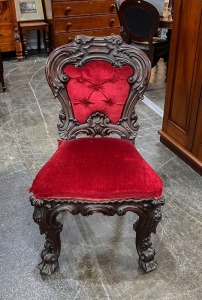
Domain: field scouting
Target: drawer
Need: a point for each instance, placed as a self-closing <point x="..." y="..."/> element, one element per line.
<point x="74" y="8"/>
<point x="64" y="38"/>
<point x="7" y="47"/>
<point x="86" y="23"/>
<point x="6" y="34"/>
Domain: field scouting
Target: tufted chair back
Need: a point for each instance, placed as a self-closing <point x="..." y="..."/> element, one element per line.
<point x="98" y="82"/>
<point x="98" y="86"/>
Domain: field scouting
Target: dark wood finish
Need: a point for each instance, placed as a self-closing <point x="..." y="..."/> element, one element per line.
<point x="2" y="73"/>
<point x="71" y="18"/>
<point x="182" y="120"/>
<point x="46" y="212"/>
<point x="9" y="35"/>
<point x="35" y="25"/>
<point x="127" y="127"/>
<point x="69" y="37"/>
<point x="166" y="22"/>
<point x="142" y="33"/>
<point x="47" y="7"/>
<point x="113" y="50"/>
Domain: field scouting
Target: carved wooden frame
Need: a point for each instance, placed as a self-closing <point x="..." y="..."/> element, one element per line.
<point x="115" y="51"/>
<point x="46" y="212"/>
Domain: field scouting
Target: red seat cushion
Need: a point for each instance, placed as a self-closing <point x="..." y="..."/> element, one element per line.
<point x="96" y="169"/>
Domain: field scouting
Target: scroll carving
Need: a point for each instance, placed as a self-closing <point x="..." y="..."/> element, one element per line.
<point x="46" y="212"/>
<point x="115" y="51"/>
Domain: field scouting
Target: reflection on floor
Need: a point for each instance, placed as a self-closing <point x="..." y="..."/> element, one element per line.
<point x="98" y="258"/>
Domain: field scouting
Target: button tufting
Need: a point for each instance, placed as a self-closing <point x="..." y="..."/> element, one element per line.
<point x="110" y="102"/>
<point x="86" y="102"/>
<point x="96" y="86"/>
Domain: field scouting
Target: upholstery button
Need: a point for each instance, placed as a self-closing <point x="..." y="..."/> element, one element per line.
<point x="110" y="102"/>
<point x="96" y="87"/>
<point x="85" y="102"/>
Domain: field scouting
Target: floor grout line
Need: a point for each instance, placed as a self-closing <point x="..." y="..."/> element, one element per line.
<point x="153" y="106"/>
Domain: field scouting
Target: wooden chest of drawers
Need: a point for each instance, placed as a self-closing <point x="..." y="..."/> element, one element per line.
<point x="71" y="18"/>
<point x="9" y="37"/>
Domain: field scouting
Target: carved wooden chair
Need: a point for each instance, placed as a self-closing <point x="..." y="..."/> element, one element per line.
<point x="139" y="22"/>
<point x="96" y="168"/>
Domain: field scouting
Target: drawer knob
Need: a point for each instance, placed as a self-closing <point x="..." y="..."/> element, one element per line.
<point x="112" y="21"/>
<point x="70" y="39"/>
<point x="68" y="9"/>
<point x="112" y="6"/>
<point x="69" y="24"/>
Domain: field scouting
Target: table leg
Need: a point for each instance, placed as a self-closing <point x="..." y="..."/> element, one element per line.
<point x="46" y="40"/>
<point x="24" y="41"/>
<point x="39" y="40"/>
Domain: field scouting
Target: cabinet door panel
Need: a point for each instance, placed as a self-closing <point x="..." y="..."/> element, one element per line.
<point x="197" y="145"/>
<point x="197" y="141"/>
<point x="180" y="104"/>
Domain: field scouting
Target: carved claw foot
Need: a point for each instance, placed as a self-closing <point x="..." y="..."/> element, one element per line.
<point x="49" y="260"/>
<point x="146" y="261"/>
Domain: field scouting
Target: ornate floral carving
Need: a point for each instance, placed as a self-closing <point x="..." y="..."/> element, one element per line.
<point x="49" y="258"/>
<point x="97" y="124"/>
<point x="115" y="51"/>
<point x="46" y="212"/>
<point x="146" y="258"/>
<point x="36" y="202"/>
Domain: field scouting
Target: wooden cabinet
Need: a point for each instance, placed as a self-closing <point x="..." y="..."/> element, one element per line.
<point x="182" y="122"/>
<point x="9" y="36"/>
<point x="71" y="18"/>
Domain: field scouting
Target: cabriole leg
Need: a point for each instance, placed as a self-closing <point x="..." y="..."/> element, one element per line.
<point x="148" y="220"/>
<point x="45" y="216"/>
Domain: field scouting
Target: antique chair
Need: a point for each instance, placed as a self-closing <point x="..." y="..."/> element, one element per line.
<point x="139" y="22"/>
<point x="96" y="168"/>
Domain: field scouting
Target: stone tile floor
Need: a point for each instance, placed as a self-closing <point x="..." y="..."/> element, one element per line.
<point x="98" y="258"/>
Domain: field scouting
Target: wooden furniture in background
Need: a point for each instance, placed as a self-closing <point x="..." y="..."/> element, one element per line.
<point x="9" y="36"/>
<point x="2" y="73"/>
<point x="71" y="18"/>
<point x="140" y="21"/>
<point x="49" y="19"/>
<point x="182" y="122"/>
<point x="30" y="21"/>
<point x="36" y="25"/>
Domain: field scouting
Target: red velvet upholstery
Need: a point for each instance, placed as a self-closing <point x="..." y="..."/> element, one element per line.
<point x="98" y="86"/>
<point x="96" y="169"/>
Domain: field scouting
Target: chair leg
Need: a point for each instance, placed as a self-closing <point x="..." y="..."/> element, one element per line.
<point x="38" y="40"/>
<point x="149" y="218"/>
<point x="24" y="41"/>
<point x="46" y="41"/>
<point x="45" y="216"/>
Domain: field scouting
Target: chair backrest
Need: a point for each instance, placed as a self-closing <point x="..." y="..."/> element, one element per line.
<point x="140" y="21"/>
<point x="98" y="81"/>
